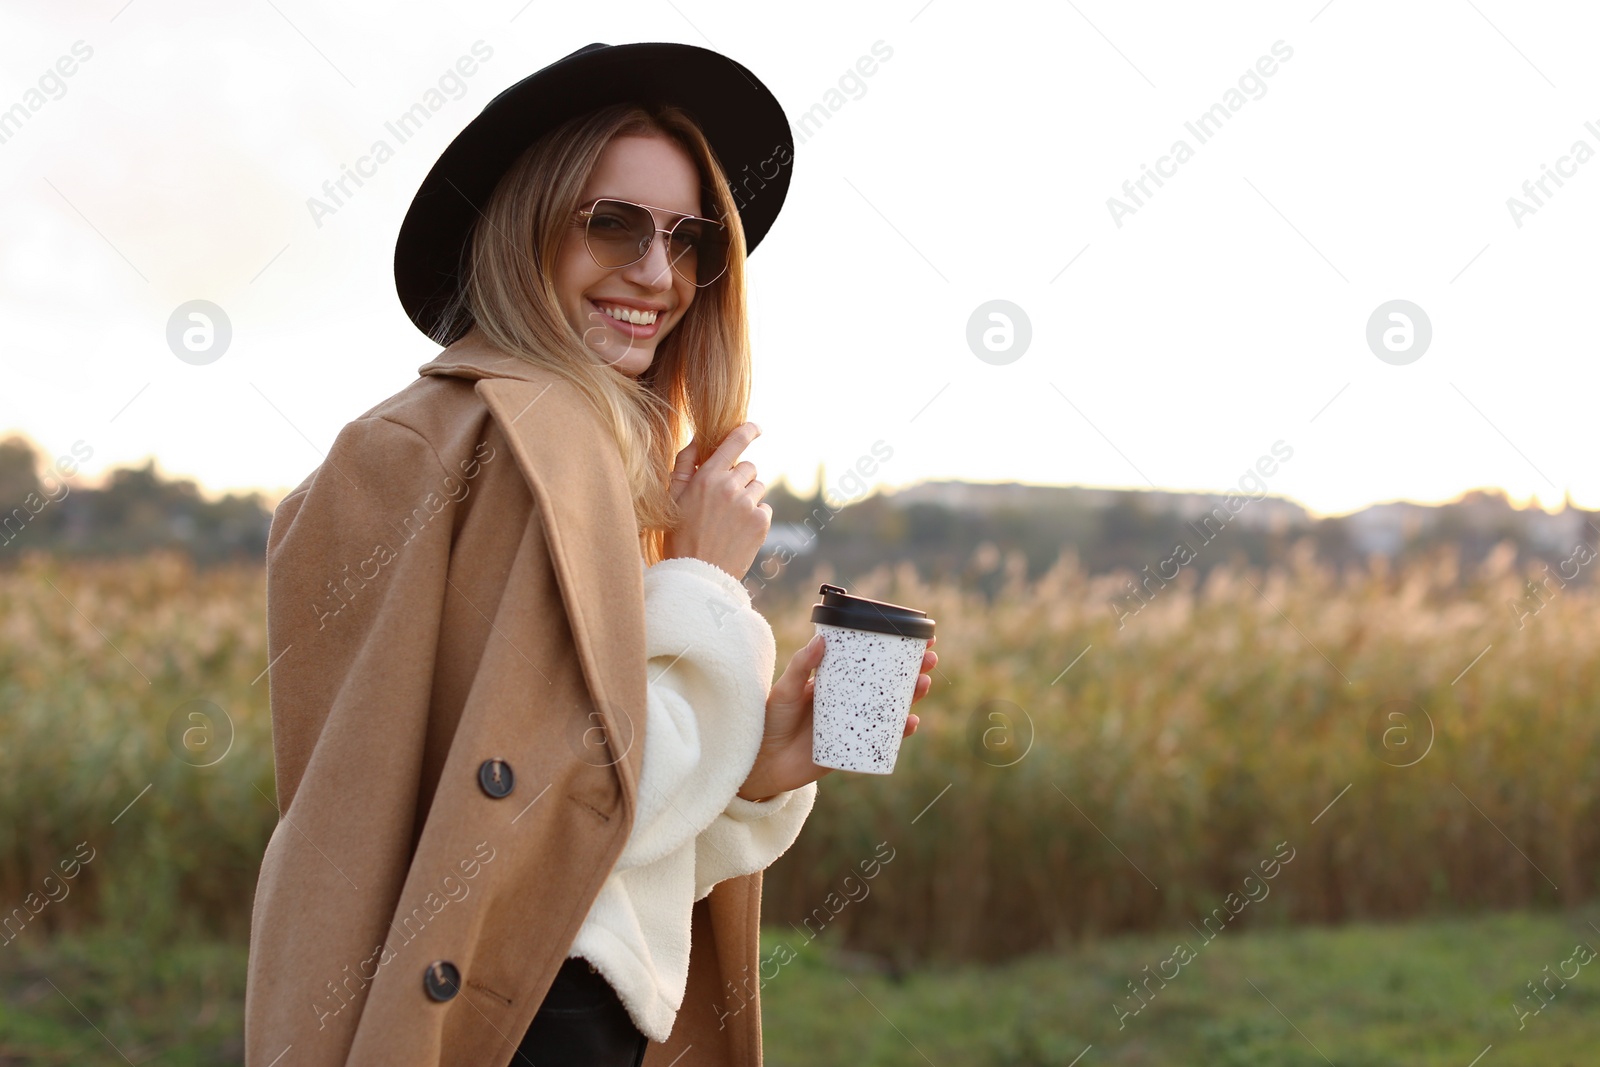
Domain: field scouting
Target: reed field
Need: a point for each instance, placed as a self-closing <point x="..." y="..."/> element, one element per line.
<point x="1205" y="736"/>
<point x="1072" y="777"/>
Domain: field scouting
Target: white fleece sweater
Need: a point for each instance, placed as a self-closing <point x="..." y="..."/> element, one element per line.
<point x="710" y="662"/>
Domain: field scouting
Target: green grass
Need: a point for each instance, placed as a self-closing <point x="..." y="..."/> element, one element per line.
<point x="1420" y="994"/>
<point x="100" y="998"/>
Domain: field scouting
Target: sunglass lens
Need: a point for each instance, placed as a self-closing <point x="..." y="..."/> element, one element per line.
<point x="619" y="233"/>
<point x="699" y="250"/>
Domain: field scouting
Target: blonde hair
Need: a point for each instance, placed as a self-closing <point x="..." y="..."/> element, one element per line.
<point x="699" y="380"/>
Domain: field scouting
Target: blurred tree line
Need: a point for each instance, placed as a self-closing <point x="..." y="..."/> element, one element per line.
<point x="137" y="510"/>
<point x="976" y="545"/>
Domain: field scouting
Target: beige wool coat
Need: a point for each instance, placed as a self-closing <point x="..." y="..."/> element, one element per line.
<point x="456" y="640"/>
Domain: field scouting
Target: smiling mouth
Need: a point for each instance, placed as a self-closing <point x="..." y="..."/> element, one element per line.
<point x="632" y="316"/>
<point x="621" y="320"/>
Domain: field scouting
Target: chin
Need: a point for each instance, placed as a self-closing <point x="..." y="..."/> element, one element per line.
<point x="631" y="364"/>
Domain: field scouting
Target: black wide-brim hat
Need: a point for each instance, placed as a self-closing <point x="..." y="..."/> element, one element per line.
<point x="740" y="117"/>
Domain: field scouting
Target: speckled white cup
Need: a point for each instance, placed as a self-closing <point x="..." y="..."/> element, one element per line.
<point x="862" y="697"/>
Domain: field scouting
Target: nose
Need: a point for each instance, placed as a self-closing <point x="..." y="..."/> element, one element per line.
<point x="654" y="271"/>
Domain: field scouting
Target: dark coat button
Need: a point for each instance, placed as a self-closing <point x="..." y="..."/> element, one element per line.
<point x="496" y="778"/>
<point x="441" y="980"/>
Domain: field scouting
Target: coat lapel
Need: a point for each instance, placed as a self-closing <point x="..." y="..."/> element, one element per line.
<point x="578" y="485"/>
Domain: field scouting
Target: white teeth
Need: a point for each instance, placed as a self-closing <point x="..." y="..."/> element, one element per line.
<point x="633" y="315"/>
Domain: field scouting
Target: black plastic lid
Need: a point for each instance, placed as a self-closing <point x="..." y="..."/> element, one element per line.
<point x="839" y="608"/>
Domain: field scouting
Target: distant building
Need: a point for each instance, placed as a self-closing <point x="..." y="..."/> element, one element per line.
<point x="1561" y="531"/>
<point x="1384" y="529"/>
<point x="987" y="496"/>
<point x="1272" y="513"/>
<point x="796" y="537"/>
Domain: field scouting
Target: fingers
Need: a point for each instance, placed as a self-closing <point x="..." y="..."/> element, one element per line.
<point x="736" y="442"/>
<point x="688" y="455"/>
<point x="809" y="657"/>
<point x="794" y="677"/>
<point x="684" y="466"/>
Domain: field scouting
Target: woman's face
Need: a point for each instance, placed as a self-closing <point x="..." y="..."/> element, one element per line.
<point x="647" y="170"/>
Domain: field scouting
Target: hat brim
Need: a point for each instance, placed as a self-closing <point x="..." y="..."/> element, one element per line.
<point x="740" y="117"/>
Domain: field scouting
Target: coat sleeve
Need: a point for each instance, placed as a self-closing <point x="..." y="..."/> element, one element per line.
<point x="356" y="572"/>
<point x="709" y="666"/>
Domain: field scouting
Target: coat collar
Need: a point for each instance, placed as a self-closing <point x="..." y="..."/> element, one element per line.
<point x="473" y="357"/>
<point x="570" y="461"/>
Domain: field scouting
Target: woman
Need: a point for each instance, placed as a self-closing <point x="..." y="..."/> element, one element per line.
<point x="423" y="900"/>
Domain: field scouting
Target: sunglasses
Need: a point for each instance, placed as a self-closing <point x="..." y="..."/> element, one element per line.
<point x="618" y="233"/>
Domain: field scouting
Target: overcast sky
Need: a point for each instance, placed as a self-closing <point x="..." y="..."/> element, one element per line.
<point x="1176" y="333"/>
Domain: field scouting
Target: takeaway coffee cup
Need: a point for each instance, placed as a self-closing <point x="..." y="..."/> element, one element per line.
<point x="864" y="685"/>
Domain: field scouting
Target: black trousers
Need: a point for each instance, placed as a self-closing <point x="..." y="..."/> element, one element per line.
<point x="582" y="1023"/>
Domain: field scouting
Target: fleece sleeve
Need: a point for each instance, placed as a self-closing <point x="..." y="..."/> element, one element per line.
<point x="748" y="835"/>
<point x="709" y="667"/>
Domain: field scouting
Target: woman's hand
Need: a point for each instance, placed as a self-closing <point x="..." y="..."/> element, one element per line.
<point x="784" y="759"/>
<point x="724" y="520"/>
